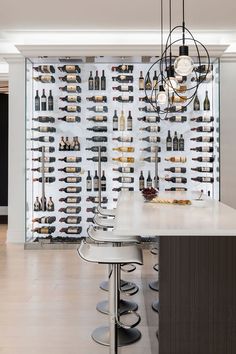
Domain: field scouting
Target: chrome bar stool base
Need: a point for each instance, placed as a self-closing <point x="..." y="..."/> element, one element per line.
<point x="154" y="285"/>
<point x="156" y="306"/>
<point x="124" y="306"/>
<point x="125" y="285"/>
<point x="125" y="336"/>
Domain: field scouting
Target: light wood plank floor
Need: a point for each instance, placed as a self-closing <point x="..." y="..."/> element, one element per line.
<point x="48" y="301"/>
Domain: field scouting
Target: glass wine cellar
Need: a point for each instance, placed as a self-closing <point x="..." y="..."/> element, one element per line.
<point x="75" y="105"/>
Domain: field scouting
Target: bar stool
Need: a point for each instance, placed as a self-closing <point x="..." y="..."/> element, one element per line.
<point x="118" y="333"/>
<point x="106" y="212"/>
<point x="103" y="222"/>
<point x="154" y="285"/>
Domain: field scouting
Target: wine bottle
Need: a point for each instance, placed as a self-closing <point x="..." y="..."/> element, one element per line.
<point x="71" y="230"/>
<point x="71" y="179"/>
<point x="124" y="98"/>
<point x="98" y="109"/>
<point x="203" y="169"/>
<point x="97" y="98"/>
<point x="203" y="68"/>
<point x="90" y="220"/>
<point x="95" y="159"/>
<point x="103" y="182"/>
<point x="123" y="68"/>
<point x="45" y="69"/>
<point x="148" y="83"/>
<point x="204" y="119"/>
<point x="176" y="159"/>
<point x="70" y="210"/>
<point x="124" y="179"/>
<point x="196" y="104"/>
<point x="96" y="148"/>
<point x="98" y="139"/>
<point x="203" y="149"/>
<point x="45" y="139"/>
<point x="71" y="88"/>
<point x="123" y="88"/>
<point x="72" y="78"/>
<point x="155" y="80"/>
<point x="206" y="103"/>
<point x="45" y="79"/>
<point x="203" y="159"/>
<point x="141" y="81"/>
<point x="70" y="189"/>
<point x="172" y="109"/>
<point x="149" y="109"/>
<point x="124" y="149"/>
<point x="92" y="210"/>
<point x="177" y="99"/>
<point x="70" y="119"/>
<point x="205" y="129"/>
<point x="45" y="230"/>
<point x="177" y="119"/>
<point x="175" y="142"/>
<point x="115" y="121"/>
<point x="71" y="108"/>
<point x="203" y="78"/>
<point x="50" y="101"/>
<point x="124" y="139"/>
<point x="176" y="189"/>
<point x="124" y="159"/>
<point x="123" y="189"/>
<point x="43" y="129"/>
<point x="151" y="139"/>
<point x="96" y="182"/>
<point x="141" y="181"/>
<point x="148" y="99"/>
<point x="122" y="121"/>
<point x="76" y="144"/>
<point x="43" y="101"/>
<point x="70" y="200"/>
<point x="37" y="101"/>
<point x="152" y="148"/>
<point x="98" y="129"/>
<point x="176" y="179"/>
<point x="45" y="159"/>
<point x="96" y="81"/>
<point x="181" y="143"/>
<point x="124" y="169"/>
<point x="89" y="182"/>
<point x="45" y="169"/>
<point x="169" y="142"/>
<point x="47" y="149"/>
<point x="90" y="81"/>
<point x="44" y="119"/>
<point x="149" y="180"/>
<point x="45" y="220"/>
<point x="176" y="169"/>
<point x="71" y="159"/>
<point x="37" y="205"/>
<point x="50" y="205"/>
<point x="103" y="81"/>
<point x="69" y="68"/>
<point x="71" y="220"/>
<point x="204" y="139"/>
<point x="46" y="179"/>
<point x="97" y="119"/>
<point x="150" y="119"/>
<point x="71" y="98"/>
<point x="151" y="129"/>
<point x="70" y="169"/>
<point x="129" y="122"/>
<point x="203" y="179"/>
<point x="63" y="144"/>
<point x="96" y="200"/>
<point x="123" y="78"/>
<point x="151" y="159"/>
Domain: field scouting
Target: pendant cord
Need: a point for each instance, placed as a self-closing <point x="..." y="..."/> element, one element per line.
<point x="161" y="37"/>
<point x="183" y="23"/>
<point x="170" y="19"/>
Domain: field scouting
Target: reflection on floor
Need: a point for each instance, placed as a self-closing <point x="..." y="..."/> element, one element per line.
<point x="48" y="300"/>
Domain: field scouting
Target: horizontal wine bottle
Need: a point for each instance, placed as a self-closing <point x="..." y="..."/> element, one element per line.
<point x="124" y="149"/>
<point x="70" y="119"/>
<point x="176" y="119"/>
<point x="148" y="99"/>
<point x="176" y="189"/>
<point x="149" y="109"/>
<point x="98" y="129"/>
<point x="73" y="78"/>
<point x="123" y="189"/>
<point x="149" y="119"/>
<point x="45" y="220"/>
<point x="70" y="159"/>
<point x="71" y="220"/>
<point x="96" y="148"/>
<point x="203" y="149"/>
<point x="46" y="169"/>
<point x="69" y="68"/>
<point x="203" y="179"/>
<point x="123" y="78"/>
<point x="45" y="230"/>
<point x="48" y="149"/>
<point x="92" y="210"/>
<point x="97" y="119"/>
<point x="70" y="200"/>
<point x="124" y="169"/>
<point x="150" y="159"/>
<point x="98" y="109"/>
<point x="43" y="129"/>
<point x="124" y="159"/>
<point x="45" y="69"/>
<point x="71" y="189"/>
<point x="151" y="149"/>
<point x="71" y="108"/>
<point x="177" y="99"/>
<point x="96" y="200"/>
<point x="70" y="179"/>
<point x="44" y="119"/>
<point x="45" y="159"/>
<point x="124" y="98"/>
<point x="46" y="79"/>
<point x="205" y="129"/>
<point x="176" y="108"/>
<point x="176" y="169"/>
<point x="95" y="159"/>
<point x="46" y="179"/>
<point x="70" y="210"/>
<point x="98" y="139"/>
<point x="123" y="88"/>
<point x="45" y="139"/>
<point x="97" y="98"/>
<point x="203" y="159"/>
<point x="176" y="159"/>
<point x="151" y="129"/>
<point x="151" y="139"/>
<point x="203" y="169"/>
<point x="71" y="230"/>
<point x="71" y="88"/>
<point x="71" y="98"/>
<point x="204" y="119"/>
<point x="70" y="169"/>
<point x="176" y="179"/>
<point x="124" y="179"/>
<point x="204" y="139"/>
<point x="203" y="78"/>
<point x="203" y="68"/>
<point x="124" y="139"/>
<point x="123" y="68"/>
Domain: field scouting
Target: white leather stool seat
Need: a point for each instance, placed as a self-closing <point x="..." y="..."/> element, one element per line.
<point x="108" y="236"/>
<point x="106" y="212"/>
<point x="103" y="222"/>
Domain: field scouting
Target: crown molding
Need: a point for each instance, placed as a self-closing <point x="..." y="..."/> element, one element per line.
<point x="228" y="57"/>
<point x="13" y="58"/>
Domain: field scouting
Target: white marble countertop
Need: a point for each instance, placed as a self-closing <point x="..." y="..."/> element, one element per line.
<point x="136" y="217"/>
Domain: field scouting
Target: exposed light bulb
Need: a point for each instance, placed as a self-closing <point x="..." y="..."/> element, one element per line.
<point x="171" y="84"/>
<point x="183" y="65"/>
<point x="162" y="96"/>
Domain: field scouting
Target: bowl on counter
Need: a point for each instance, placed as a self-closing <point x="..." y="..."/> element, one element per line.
<point x="149" y="193"/>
